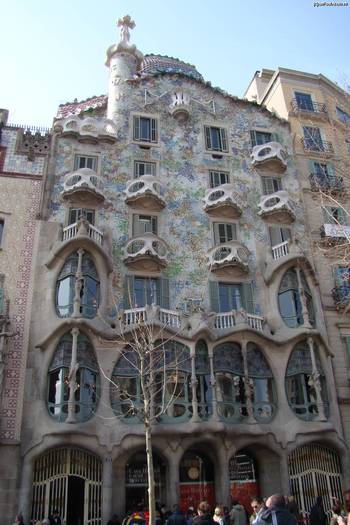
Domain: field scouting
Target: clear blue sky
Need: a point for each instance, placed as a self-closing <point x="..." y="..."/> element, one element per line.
<point x="52" y="51"/>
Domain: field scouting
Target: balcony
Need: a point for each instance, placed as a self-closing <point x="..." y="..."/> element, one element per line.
<point x="152" y="313"/>
<point x="227" y="320"/>
<point x="310" y="108"/>
<point x="335" y="234"/>
<point x="282" y="253"/>
<point x="327" y="184"/>
<point x="223" y="201"/>
<point x="317" y="147"/>
<point x="144" y="193"/>
<point x="88" y="130"/>
<point x="178" y="321"/>
<point x="277" y="207"/>
<point x="341" y="296"/>
<point x="271" y="156"/>
<point x="81" y="234"/>
<point x="82" y="227"/>
<point x="84" y="186"/>
<point x="180" y="106"/>
<point x="146" y="252"/>
<point x="230" y="258"/>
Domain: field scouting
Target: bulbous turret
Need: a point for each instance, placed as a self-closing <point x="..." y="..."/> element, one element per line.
<point x="123" y="60"/>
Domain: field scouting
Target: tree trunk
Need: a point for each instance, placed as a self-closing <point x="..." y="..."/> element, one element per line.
<point x="150" y="473"/>
<point x="147" y="402"/>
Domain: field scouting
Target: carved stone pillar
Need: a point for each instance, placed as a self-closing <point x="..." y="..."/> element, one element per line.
<point x="72" y="377"/>
<point x="304" y="310"/>
<point x="79" y="283"/>
<point x="222" y="478"/>
<point x="119" y="498"/>
<point x="195" y="416"/>
<point x="25" y="494"/>
<point x="215" y="415"/>
<point x="107" y="476"/>
<point x="316" y="381"/>
<point x="284" y="473"/>
<point x="247" y="386"/>
<point x="173" y="487"/>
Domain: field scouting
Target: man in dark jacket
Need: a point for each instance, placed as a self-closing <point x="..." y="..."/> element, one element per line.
<point x="176" y="518"/>
<point x="276" y="512"/>
<point x="317" y="514"/>
<point x="204" y="515"/>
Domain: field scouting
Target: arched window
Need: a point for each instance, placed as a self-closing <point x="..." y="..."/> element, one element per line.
<point x="85" y="283"/>
<point x="229" y="375"/>
<point x="233" y="389"/>
<point x="167" y="373"/>
<point x="174" y="395"/>
<point x="262" y="385"/>
<point x="126" y="399"/>
<point x="289" y="299"/>
<point x="204" y="389"/>
<point x="87" y="379"/>
<point x="302" y="380"/>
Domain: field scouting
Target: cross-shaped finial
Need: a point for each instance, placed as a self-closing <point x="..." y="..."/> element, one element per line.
<point x="125" y="23"/>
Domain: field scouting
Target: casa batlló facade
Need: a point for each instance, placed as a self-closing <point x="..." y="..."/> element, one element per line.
<point x="169" y="202"/>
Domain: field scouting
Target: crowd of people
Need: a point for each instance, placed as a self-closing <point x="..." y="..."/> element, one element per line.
<point x="275" y="510"/>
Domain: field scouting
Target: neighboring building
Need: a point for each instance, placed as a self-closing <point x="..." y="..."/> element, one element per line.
<point x="173" y="202"/>
<point x="23" y="156"/>
<point x="319" y="115"/>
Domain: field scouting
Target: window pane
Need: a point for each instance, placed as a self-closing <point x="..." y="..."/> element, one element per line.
<point x="84" y="161"/>
<point x="146" y="291"/>
<point x="304" y="101"/>
<point x="342" y="115"/>
<point x="271" y="185"/>
<point x="144" y="168"/>
<point x="215" y="139"/>
<point x="145" y="129"/>
<point x="139" y="292"/>
<point x="312" y="138"/>
<point x="65" y="294"/>
<point x="89" y="301"/>
<point x="230" y="297"/>
<point x="147" y="224"/>
<point x="218" y="177"/>
<point x="262" y="137"/>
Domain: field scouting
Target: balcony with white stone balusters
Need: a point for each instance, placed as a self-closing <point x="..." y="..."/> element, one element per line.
<point x="281" y="254"/>
<point x="174" y="320"/>
<point x="82" y="234"/>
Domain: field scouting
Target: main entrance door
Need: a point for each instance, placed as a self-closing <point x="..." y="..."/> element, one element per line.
<point x="69" y="481"/>
<point x="196" y="480"/>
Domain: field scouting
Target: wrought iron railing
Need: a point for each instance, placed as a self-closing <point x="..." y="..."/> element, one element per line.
<point x="326" y="183"/>
<point x="341" y="295"/>
<point x="309" y="107"/>
<point x="28" y="127"/>
<point x="317" y="146"/>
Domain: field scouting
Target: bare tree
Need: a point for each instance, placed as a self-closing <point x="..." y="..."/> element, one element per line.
<point x="154" y="362"/>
